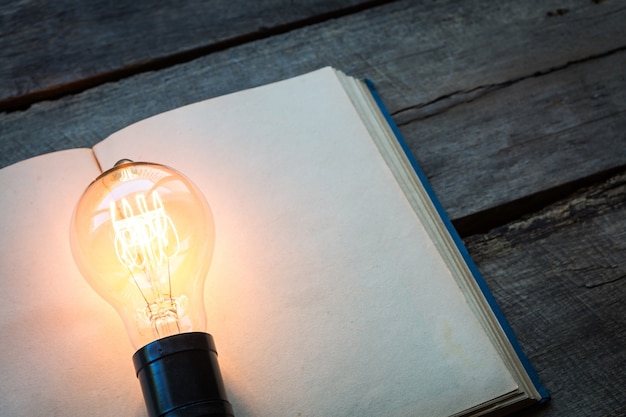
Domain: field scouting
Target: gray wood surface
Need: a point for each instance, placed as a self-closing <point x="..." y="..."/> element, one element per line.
<point x="560" y="277"/>
<point x="554" y="130"/>
<point x="48" y="49"/>
<point x="411" y="72"/>
<point x="515" y="111"/>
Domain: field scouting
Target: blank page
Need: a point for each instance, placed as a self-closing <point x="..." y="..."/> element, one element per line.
<point x="325" y="294"/>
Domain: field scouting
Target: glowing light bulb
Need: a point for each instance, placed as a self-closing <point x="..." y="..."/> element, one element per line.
<point x="142" y="235"/>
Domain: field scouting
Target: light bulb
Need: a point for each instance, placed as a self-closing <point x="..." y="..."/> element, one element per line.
<point x="142" y="235"/>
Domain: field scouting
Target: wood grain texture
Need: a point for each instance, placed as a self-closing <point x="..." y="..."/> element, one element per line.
<point x="560" y="277"/>
<point x="423" y="51"/>
<point x="419" y="55"/>
<point x="540" y="133"/>
<point x="50" y="48"/>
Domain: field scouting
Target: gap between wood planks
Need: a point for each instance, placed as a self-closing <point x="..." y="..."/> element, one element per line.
<point x="589" y="225"/>
<point x="55" y="92"/>
<point x="491" y="218"/>
<point x="457" y="98"/>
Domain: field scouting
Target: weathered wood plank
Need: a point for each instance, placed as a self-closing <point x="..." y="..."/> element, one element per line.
<point x="424" y="51"/>
<point x="560" y="277"/>
<point x="538" y="134"/>
<point x="48" y="48"/>
<point x="416" y="53"/>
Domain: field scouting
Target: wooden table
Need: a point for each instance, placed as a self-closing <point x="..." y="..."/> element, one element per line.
<point x="516" y="111"/>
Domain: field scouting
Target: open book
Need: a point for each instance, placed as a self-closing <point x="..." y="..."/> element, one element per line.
<point x="337" y="287"/>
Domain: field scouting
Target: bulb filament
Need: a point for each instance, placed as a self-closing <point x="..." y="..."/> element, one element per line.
<point x="142" y="240"/>
<point x="145" y="241"/>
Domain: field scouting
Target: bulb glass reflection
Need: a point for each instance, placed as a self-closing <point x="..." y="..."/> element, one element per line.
<point x="142" y="236"/>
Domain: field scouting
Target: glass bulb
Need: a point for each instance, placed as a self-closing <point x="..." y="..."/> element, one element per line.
<point x="142" y="235"/>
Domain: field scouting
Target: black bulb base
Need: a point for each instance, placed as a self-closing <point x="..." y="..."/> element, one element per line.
<point x="180" y="377"/>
